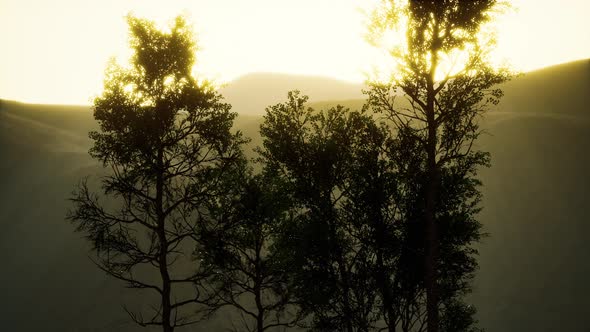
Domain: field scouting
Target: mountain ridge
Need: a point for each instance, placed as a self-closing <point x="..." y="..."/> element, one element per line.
<point x="252" y="92"/>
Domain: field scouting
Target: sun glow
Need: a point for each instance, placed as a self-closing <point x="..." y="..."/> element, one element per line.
<point x="57" y="51"/>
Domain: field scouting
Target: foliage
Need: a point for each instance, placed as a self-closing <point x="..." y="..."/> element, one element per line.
<point x="313" y="152"/>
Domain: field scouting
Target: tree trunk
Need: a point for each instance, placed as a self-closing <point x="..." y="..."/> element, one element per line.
<point x="260" y="316"/>
<point x="382" y="279"/>
<point x="167" y="326"/>
<point x="344" y="278"/>
<point x="432" y="241"/>
<point x="432" y="245"/>
<point x="382" y="276"/>
<point x="258" y="287"/>
<point x="346" y="299"/>
<point x="339" y="257"/>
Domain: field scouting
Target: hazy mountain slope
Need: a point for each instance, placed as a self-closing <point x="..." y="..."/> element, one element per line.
<point x="563" y="89"/>
<point x="252" y="93"/>
<point x="49" y="283"/>
<point x="533" y="266"/>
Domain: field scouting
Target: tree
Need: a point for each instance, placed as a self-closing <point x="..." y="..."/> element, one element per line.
<point x="441" y="109"/>
<point x="166" y="139"/>
<point x="322" y="248"/>
<point x="239" y="255"/>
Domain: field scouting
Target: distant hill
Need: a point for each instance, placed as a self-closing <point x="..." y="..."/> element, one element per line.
<point x="563" y="89"/>
<point x="534" y="264"/>
<point x="252" y="93"/>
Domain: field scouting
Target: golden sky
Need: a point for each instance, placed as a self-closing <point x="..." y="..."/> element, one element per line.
<point x="56" y="51"/>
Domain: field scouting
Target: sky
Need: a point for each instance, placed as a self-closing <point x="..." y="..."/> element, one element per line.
<point x="56" y="51"/>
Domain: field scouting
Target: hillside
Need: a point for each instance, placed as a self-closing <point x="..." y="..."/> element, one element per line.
<point x="562" y="89"/>
<point x="533" y="265"/>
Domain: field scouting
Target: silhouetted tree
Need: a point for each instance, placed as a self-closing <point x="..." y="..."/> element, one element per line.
<point x="166" y="138"/>
<point x="237" y="252"/>
<point x="440" y="112"/>
<point x="322" y="247"/>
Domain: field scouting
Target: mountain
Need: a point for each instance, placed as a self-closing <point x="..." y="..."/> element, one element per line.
<point x="562" y="89"/>
<point x="534" y="263"/>
<point x="252" y="93"/>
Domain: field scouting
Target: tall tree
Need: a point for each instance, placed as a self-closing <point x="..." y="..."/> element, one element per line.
<point x="321" y="247"/>
<point x="165" y="136"/>
<point x="442" y="103"/>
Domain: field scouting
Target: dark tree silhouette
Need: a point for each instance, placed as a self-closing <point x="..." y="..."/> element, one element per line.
<point x="239" y="255"/>
<point x="441" y="108"/>
<point x="166" y="139"/>
<point x="323" y="250"/>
